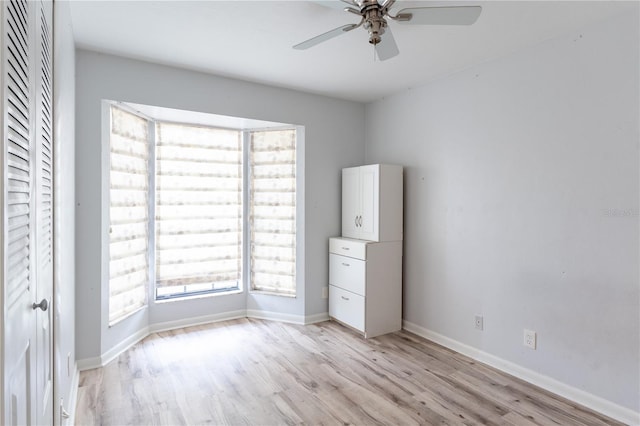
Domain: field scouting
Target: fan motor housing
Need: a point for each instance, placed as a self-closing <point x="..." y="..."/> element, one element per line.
<point x="374" y="20"/>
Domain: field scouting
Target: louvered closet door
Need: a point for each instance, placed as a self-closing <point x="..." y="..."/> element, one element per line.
<point x="44" y="211"/>
<point x="26" y="213"/>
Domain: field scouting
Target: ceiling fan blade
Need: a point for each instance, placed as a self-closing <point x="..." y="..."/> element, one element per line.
<point x="449" y="15"/>
<point x="387" y="48"/>
<point x="324" y="37"/>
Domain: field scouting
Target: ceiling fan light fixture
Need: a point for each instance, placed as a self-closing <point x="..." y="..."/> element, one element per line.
<point x="376" y="29"/>
<point x="373" y="16"/>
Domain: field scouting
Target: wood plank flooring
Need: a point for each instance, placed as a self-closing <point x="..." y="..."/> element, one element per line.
<point x="255" y="372"/>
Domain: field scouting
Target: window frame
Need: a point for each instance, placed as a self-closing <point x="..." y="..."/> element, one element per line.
<point x="198" y="293"/>
<point x="298" y="214"/>
<point x="105" y="199"/>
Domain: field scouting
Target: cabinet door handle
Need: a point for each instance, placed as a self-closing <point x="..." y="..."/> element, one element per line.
<point x="344" y="298"/>
<point x="345" y="264"/>
<point x="360" y="221"/>
<point x="356" y="221"/>
<point x="345" y="248"/>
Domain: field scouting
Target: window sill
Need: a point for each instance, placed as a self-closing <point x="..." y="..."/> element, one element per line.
<point x="197" y="296"/>
<point x="271" y="293"/>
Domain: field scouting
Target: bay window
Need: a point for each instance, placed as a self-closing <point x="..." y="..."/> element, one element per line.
<point x="178" y="212"/>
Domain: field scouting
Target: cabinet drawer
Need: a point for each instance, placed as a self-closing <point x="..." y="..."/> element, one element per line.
<point x="347" y="273"/>
<point x="346" y="307"/>
<point x="347" y="247"/>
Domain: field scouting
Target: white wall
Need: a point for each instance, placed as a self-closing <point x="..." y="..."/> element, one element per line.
<point x="521" y="204"/>
<point x="334" y="138"/>
<point x="64" y="211"/>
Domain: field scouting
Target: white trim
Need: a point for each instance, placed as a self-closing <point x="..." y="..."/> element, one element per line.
<point x="123" y="345"/>
<point x="88" y="363"/>
<point x="300" y="242"/>
<point x="173" y="115"/>
<point x="220" y="293"/>
<point x="190" y="322"/>
<point x="275" y="316"/>
<point x="313" y="319"/>
<point x="73" y="397"/>
<point x="114" y="352"/>
<point x="111" y="354"/>
<point x="564" y="390"/>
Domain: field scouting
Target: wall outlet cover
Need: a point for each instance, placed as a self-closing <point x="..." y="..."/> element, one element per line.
<point x="530" y="339"/>
<point x="479" y="322"/>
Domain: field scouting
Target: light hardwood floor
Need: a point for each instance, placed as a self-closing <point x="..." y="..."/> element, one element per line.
<point x="255" y="372"/>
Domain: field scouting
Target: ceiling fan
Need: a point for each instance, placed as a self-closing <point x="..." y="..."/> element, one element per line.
<point x="373" y="17"/>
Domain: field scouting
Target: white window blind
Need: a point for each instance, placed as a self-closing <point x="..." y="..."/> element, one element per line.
<point x="273" y="211"/>
<point x="129" y="207"/>
<point x="198" y="209"/>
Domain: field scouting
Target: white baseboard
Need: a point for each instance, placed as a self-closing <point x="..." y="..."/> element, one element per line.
<point x="89" y="363"/>
<point x="579" y="396"/>
<point x="312" y="319"/>
<point x="289" y="318"/>
<point x="127" y="343"/>
<point x="111" y="354"/>
<point x="190" y="322"/>
<point x="275" y="316"/>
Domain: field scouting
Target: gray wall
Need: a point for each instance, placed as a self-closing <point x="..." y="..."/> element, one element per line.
<point x="64" y="218"/>
<point x="334" y="138"/>
<point x="521" y="192"/>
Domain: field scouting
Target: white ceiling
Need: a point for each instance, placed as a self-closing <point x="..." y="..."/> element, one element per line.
<point x="251" y="40"/>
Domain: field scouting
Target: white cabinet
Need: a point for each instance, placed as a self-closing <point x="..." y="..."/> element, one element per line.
<point x="365" y="285"/>
<point x="372" y="202"/>
<point x="365" y="265"/>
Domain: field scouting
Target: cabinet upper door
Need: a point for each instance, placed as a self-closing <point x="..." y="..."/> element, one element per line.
<point x="372" y="202"/>
<point x="369" y="199"/>
<point x="351" y="202"/>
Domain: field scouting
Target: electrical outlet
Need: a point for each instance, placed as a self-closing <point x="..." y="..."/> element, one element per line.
<point x="325" y="292"/>
<point x="479" y="322"/>
<point x="530" y="339"/>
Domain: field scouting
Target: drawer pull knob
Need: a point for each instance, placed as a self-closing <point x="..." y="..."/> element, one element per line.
<point x="345" y="264"/>
<point x="344" y="298"/>
<point x="345" y="248"/>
